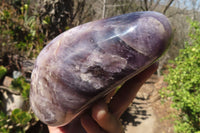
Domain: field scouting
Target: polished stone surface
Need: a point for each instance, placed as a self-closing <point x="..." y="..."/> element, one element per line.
<point x="86" y="62"/>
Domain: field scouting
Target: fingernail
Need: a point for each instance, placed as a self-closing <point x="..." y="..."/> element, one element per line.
<point x="99" y="110"/>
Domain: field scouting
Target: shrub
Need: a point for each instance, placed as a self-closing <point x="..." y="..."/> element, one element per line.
<point x="184" y="84"/>
<point x="19" y="31"/>
<point x="19" y="121"/>
<point x="22" y="86"/>
<point x="2" y="71"/>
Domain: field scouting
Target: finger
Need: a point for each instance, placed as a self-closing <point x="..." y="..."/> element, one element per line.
<point x="105" y="119"/>
<point x="55" y="130"/>
<point x="128" y="91"/>
<point x="90" y="125"/>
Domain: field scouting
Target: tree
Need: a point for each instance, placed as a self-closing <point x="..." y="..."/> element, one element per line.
<point x="60" y="15"/>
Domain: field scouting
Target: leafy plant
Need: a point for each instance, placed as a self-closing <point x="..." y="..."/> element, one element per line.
<point x="21" y="85"/>
<point x="19" y="30"/>
<point x="2" y="71"/>
<point x="184" y="84"/>
<point x="21" y="117"/>
<point x="19" y="121"/>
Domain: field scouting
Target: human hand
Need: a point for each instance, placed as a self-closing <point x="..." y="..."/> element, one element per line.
<point x="105" y="117"/>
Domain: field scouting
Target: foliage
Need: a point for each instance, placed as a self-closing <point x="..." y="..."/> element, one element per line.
<point x="2" y="71"/>
<point x="19" y="31"/>
<point x="18" y="121"/>
<point x="21" y="85"/>
<point x="21" y="117"/>
<point x="184" y="84"/>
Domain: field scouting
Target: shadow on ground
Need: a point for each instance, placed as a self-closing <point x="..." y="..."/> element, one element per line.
<point x="135" y="114"/>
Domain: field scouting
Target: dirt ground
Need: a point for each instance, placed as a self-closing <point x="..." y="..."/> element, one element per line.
<point x="147" y="114"/>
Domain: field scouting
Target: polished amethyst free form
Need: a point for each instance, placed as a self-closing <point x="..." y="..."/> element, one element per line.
<point x="85" y="63"/>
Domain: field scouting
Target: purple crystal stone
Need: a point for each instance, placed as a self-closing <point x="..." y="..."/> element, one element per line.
<point x="85" y="63"/>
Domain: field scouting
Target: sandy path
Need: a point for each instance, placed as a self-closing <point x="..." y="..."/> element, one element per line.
<point x="146" y="112"/>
